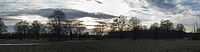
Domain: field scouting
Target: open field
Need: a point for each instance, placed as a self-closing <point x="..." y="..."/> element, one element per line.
<point x="103" y="46"/>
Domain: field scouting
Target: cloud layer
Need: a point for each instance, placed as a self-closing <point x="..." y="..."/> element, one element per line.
<point x="149" y="11"/>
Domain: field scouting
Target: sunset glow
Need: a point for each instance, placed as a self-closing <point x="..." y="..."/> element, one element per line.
<point x="89" y="22"/>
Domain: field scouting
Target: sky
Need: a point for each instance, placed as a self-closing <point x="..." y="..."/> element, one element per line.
<point x="149" y="11"/>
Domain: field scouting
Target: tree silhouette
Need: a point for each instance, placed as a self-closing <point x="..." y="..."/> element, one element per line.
<point x="155" y="28"/>
<point x="78" y="28"/>
<point x="2" y="26"/>
<point x="166" y="25"/>
<point x="44" y="29"/>
<point x="99" y="30"/>
<point x="119" y="24"/>
<point x="67" y="27"/>
<point x="198" y="30"/>
<point x="134" y="22"/>
<point x="56" y="23"/>
<point x="180" y="27"/>
<point x="22" y="28"/>
<point x="135" y="31"/>
<point x="195" y="27"/>
<point x="36" y="28"/>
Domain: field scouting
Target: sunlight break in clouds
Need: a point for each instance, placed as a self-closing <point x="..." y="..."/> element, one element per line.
<point x="31" y="18"/>
<point x="89" y="22"/>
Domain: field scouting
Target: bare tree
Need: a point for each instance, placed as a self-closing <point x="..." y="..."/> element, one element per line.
<point x="2" y="26"/>
<point x="119" y="24"/>
<point x="99" y="30"/>
<point x="44" y="29"/>
<point x="36" y="28"/>
<point x="166" y="25"/>
<point x="154" y="26"/>
<point x="113" y="27"/>
<point x="22" y="29"/>
<point x="198" y="30"/>
<point x="56" y="20"/>
<point x="195" y="27"/>
<point x="180" y="27"/>
<point x="134" y="22"/>
<point x="78" y="28"/>
<point x="67" y="27"/>
<point x="56" y="23"/>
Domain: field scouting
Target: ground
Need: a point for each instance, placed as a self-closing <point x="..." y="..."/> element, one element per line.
<point x="102" y="46"/>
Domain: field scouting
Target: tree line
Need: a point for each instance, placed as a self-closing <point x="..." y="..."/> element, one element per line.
<point x="133" y="29"/>
<point x="60" y="28"/>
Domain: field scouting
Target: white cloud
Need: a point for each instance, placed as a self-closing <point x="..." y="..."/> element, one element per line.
<point x="178" y="11"/>
<point x="114" y="7"/>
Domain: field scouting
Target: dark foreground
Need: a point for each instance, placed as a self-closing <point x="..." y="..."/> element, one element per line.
<point x="101" y="46"/>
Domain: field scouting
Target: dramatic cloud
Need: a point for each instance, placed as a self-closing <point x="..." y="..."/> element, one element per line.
<point x="178" y="11"/>
<point x="149" y="11"/>
<point x="70" y="13"/>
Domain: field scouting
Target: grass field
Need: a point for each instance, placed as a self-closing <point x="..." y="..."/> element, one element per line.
<point x="103" y="46"/>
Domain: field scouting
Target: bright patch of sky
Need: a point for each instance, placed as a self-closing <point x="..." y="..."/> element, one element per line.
<point x="31" y="18"/>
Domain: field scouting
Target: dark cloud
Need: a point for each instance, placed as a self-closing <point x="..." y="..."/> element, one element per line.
<point x="191" y="4"/>
<point x="99" y="2"/>
<point x="88" y="0"/>
<point x="70" y="13"/>
<point x="164" y="4"/>
<point x="169" y="7"/>
<point x="9" y="19"/>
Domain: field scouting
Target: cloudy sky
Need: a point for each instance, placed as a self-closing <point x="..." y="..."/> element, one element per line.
<point x="149" y="11"/>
